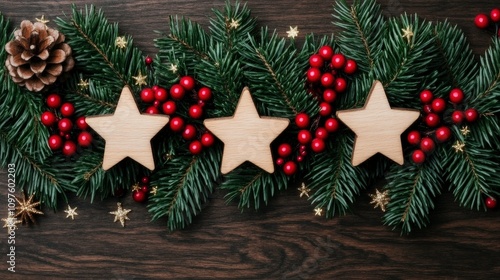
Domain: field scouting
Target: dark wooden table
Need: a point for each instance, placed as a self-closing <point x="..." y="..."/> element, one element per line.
<point x="283" y="240"/>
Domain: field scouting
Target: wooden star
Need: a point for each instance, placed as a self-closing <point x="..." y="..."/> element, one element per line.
<point x="71" y="212"/>
<point x="127" y="132"/>
<point x="27" y="208"/>
<point x="120" y="214"/>
<point x="378" y="127"/>
<point x="459" y="146"/>
<point x="408" y="33"/>
<point x="293" y="32"/>
<point x="11" y="222"/>
<point x="121" y="42"/>
<point x="246" y="135"/>
<point x="318" y="211"/>
<point x="140" y="80"/>
<point x="304" y="190"/>
<point x="380" y="199"/>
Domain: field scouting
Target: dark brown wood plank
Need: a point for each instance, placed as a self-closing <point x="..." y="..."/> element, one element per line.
<point x="283" y="240"/>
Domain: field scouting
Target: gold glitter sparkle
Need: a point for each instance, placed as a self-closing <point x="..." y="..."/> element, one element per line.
<point x="380" y="199"/>
<point x="408" y="33"/>
<point x="121" y="42"/>
<point x="304" y="190"/>
<point x="120" y="214"/>
<point x="71" y="212"/>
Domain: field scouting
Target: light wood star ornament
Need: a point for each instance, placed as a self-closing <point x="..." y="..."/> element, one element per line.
<point x="378" y="127"/>
<point x="246" y="135"/>
<point x="127" y="132"/>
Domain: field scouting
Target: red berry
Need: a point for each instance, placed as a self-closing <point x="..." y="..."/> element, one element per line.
<point x="148" y="60"/>
<point x="432" y="120"/>
<point x="302" y="120"/>
<point x="313" y="75"/>
<point x="187" y="82"/>
<point x="329" y="95"/>
<point x="456" y="96"/>
<point x="327" y="80"/>
<point x="144" y="189"/>
<point x="205" y="94"/>
<point x="300" y="159"/>
<point x="332" y="125"/>
<point x="426" y="96"/>
<point x="284" y="150"/>
<point x="321" y="133"/>
<point x="326" y="52"/>
<point x="325" y="109"/>
<point x="169" y="107"/>
<point x="84" y="139"/>
<point x="81" y="123"/>
<point x="67" y="109"/>
<point x="427" y="145"/>
<point x="177" y="92"/>
<point x="443" y="134"/>
<point x="482" y="21"/>
<point x="438" y="105"/>
<point x="195" y="111"/>
<point x="147" y="95"/>
<point x="495" y="15"/>
<point x="414" y="138"/>
<point x="156" y="103"/>
<point x="457" y="117"/>
<point x="161" y="94"/>
<point x="152" y="110"/>
<point x="316" y="61"/>
<point x="350" y="67"/>
<point x="65" y="125"/>
<point x="318" y="145"/>
<point x="55" y="142"/>
<point x="176" y="124"/>
<point x="155" y="88"/>
<point x="338" y="61"/>
<point x="471" y="115"/>
<point x="48" y="118"/>
<point x="304" y="137"/>
<point x="340" y="85"/>
<point x="290" y="168"/>
<point x="207" y="139"/>
<point x="427" y="109"/>
<point x="280" y="161"/>
<point x="69" y="148"/>
<point x="418" y="156"/>
<point x="139" y="196"/>
<point x="145" y="180"/>
<point x="54" y="101"/>
<point x="195" y="147"/>
<point x="189" y="132"/>
<point x="201" y="103"/>
<point x="491" y="203"/>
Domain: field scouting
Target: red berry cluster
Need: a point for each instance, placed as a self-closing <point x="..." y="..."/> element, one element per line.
<point x="492" y="20"/>
<point x="141" y="194"/>
<point x="437" y="119"/>
<point x="325" y="80"/>
<point x="63" y="126"/>
<point x="168" y="100"/>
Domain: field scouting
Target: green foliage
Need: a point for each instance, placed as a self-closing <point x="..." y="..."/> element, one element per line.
<point x="487" y="85"/>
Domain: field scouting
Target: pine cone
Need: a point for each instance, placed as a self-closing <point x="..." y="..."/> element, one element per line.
<point x="37" y="56"/>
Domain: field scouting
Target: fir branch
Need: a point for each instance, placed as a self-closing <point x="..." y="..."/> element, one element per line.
<point x="487" y="86"/>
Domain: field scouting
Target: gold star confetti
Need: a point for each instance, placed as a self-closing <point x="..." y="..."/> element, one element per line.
<point x="83" y="84"/>
<point x="459" y="146"/>
<point x="120" y="214"/>
<point x="380" y="199"/>
<point x="121" y="42"/>
<point x="465" y="130"/>
<point x="140" y="80"/>
<point x="293" y="32"/>
<point x="11" y="222"/>
<point x="318" y="211"/>
<point x="42" y="20"/>
<point x="173" y="68"/>
<point x="136" y="187"/>
<point x="234" y="24"/>
<point x="154" y="190"/>
<point x="304" y="190"/>
<point x="26" y="209"/>
<point x="71" y="212"/>
<point x="408" y="33"/>
<point x="168" y="156"/>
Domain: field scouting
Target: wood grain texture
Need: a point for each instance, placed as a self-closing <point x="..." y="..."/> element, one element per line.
<point x="282" y="241"/>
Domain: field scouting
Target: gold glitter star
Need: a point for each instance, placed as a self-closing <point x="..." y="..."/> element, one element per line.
<point x="293" y="32"/>
<point x="318" y="211"/>
<point x="121" y="42"/>
<point x="173" y="68"/>
<point x="408" y="33"/>
<point x="304" y="190"/>
<point x="11" y="222"/>
<point x="140" y="80"/>
<point x="154" y="190"/>
<point x="83" y="84"/>
<point x="234" y="24"/>
<point x="459" y="146"/>
<point x="26" y="209"/>
<point x="42" y="20"/>
<point x="136" y="187"/>
<point x="465" y="130"/>
<point x="380" y="199"/>
<point x="71" y="212"/>
<point x="168" y="156"/>
<point x="120" y="214"/>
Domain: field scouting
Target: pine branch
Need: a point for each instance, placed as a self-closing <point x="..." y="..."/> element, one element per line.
<point x="487" y="86"/>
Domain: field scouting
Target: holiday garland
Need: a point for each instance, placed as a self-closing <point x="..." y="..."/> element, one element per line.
<point x="198" y="76"/>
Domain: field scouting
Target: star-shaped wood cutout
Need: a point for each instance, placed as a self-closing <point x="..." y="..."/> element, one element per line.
<point x="378" y="127"/>
<point x="127" y="132"/>
<point x="246" y="135"/>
